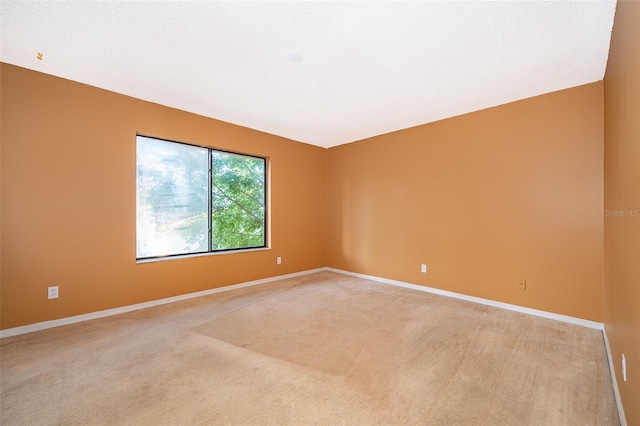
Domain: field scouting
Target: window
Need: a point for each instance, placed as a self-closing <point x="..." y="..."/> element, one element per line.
<point x="191" y="199"/>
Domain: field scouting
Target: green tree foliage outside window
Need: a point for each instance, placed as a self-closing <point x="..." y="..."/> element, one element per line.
<point x="238" y="198"/>
<point x="192" y="199"/>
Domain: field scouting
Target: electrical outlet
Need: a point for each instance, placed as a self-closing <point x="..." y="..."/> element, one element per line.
<point x="52" y="292"/>
<point x="522" y="284"/>
<point x="624" y="368"/>
<point x="278" y="260"/>
<point x="423" y="268"/>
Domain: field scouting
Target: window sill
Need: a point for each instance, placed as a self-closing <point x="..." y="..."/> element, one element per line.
<point x="187" y="256"/>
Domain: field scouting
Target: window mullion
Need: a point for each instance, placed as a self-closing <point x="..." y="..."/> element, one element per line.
<point x="210" y="204"/>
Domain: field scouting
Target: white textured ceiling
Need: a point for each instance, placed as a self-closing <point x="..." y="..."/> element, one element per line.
<point x="324" y="73"/>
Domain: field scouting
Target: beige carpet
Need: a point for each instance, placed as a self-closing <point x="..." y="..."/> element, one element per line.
<point x="319" y="349"/>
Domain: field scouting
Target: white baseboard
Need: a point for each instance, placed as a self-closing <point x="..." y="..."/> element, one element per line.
<point x="544" y="314"/>
<point x="614" y="381"/>
<point x="115" y="311"/>
<point x="516" y="308"/>
<point x="508" y="306"/>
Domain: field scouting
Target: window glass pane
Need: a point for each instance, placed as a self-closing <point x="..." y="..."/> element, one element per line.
<point x="172" y="198"/>
<point x="238" y="201"/>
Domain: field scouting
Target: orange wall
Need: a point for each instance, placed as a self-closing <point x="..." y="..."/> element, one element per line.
<point x="512" y="192"/>
<point x="622" y="194"/>
<point x="484" y="199"/>
<point x="68" y="200"/>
